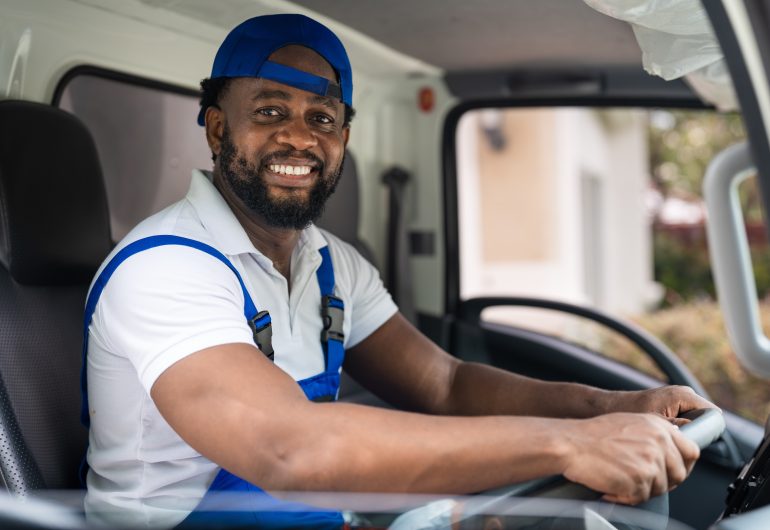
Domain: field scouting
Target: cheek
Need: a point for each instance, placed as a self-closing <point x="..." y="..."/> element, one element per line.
<point x="334" y="151"/>
<point x="252" y="149"/>
<point x="249" y="138"/>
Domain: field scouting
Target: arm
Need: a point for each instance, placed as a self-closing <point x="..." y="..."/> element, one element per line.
<point x="239" y="410"/>
<point x="418" y="375"/>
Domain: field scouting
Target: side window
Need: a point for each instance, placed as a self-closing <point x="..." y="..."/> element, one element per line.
<point x="603" y="208"/>
<point x="148" y="143"/>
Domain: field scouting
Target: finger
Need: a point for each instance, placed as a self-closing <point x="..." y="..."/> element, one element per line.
<point x="676" y="468"/>
<point x="677" y="472"/>
<point x="657" y="480"/>
<point x="624" y="486"/>
<point x="615" y="499"/>
<point x="659" y="484"/>
<point x="645" y="481"/>
<point x="689" y="400"/>
<point x="679" y="421"/>
<point x="698" y="403"/>
<point x="688" y="450"/>
<point x="621" y="499"/>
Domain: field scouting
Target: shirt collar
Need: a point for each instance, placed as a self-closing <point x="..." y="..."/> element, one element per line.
<point x="220" y="221"/>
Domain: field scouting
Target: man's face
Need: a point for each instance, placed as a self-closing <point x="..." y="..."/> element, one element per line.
<point x="281" y="149"/>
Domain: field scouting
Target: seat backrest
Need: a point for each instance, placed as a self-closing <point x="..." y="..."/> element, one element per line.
<point x="341" y="214"/>
<point x="54" y="233"/>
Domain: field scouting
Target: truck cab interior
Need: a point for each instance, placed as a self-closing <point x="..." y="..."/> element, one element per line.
<point x="494" y="176"/>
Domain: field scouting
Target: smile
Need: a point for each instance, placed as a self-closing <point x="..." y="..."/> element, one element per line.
<point x="284" y="169"/>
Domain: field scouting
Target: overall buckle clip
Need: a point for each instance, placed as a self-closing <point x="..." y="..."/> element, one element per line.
<point x="262" y="329"/>
<point x="332" y="314"/>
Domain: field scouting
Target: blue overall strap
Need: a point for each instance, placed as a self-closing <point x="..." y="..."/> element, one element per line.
<point x="332" y="312"/>
<point x="259" y="321"/>
<point x="231" y="503"/>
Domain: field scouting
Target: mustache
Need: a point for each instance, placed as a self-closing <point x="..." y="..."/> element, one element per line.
<point x="278" y="155"/>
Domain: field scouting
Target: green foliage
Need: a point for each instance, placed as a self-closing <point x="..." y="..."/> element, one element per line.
<point x="696" y="332"/>
<point x="682" y="143"/>
<point x="760" y="258"/>
<point x="683" y="270"/>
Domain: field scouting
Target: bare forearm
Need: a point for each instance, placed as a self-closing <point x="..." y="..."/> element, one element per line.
<point x="438" y="383"/>
<point x="478" y="389"/>
<point x="367" y="449"/>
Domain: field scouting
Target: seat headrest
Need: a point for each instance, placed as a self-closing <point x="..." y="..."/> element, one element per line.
<point x="340" y="216"/>
<point x="54" y="221"/>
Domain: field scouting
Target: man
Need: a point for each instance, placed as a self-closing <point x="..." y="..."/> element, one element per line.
<point x="189" y="395"/>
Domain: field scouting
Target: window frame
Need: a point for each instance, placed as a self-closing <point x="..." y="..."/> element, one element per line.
<point x="452" y="299"/>
<point x="121" y="77"/>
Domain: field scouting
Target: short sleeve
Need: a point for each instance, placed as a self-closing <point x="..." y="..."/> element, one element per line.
<point x="165" y="303"/>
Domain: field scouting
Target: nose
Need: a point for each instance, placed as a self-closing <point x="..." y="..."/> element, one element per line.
<point x="297" y="134"/>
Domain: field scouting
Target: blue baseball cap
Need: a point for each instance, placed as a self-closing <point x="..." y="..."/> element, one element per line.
<point x="245" y="50"/>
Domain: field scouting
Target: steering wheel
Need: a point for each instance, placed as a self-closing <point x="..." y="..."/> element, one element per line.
<point x="676" y="372"/>
<point x="704" y="428"/>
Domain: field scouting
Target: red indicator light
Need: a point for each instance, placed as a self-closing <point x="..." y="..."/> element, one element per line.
<point x="426" y="99"/>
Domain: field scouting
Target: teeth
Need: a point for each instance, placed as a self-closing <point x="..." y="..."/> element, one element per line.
<point x="289" y="170"/>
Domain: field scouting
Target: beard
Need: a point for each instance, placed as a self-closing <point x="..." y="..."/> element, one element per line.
<point x="298" y="209"/>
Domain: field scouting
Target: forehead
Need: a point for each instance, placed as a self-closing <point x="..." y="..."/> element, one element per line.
<point x="248" y="90"/>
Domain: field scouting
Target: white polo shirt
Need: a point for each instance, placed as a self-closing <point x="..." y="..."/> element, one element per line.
<point x="166" y="303"/>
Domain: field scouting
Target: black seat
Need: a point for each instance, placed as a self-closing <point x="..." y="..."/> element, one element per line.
<point x="54" y="233"/>
<point x="341" y="214"/>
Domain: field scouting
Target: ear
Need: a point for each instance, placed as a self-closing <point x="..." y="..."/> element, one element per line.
<point x="345" y="135"/>
<point x="215" y="127"/>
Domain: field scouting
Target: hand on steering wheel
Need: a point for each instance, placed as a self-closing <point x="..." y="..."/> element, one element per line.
<point x="628" y="457"/>
<point x="705" y="427"/>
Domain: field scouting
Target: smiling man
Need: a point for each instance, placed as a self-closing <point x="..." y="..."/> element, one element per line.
<point x="219" y="326"/>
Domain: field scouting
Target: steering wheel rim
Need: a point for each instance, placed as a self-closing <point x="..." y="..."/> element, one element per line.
<point x="705" y="427"/>
<point x="673" y="367"/>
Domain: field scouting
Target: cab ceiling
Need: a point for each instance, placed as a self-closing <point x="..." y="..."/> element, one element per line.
<point x="473" y="35"/>
<point x="456" y="35"/>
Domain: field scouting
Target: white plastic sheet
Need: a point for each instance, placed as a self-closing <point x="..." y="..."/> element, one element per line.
<point x="676" y="40"/>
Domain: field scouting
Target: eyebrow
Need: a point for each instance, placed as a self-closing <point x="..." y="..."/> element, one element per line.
<point x="271" y="94"/>
<point x="284" y="96"/>
<point x="325" y="101"/>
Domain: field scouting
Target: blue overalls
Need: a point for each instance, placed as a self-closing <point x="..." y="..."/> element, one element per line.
<point x="230" y="501"/>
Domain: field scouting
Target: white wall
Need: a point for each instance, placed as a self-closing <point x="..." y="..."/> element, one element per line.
<point x="597" y="179"/>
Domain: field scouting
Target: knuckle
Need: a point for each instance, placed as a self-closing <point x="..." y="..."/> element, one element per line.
<point x="642" y="474"/>
<point x="649" y="454"/>
<point x="641" y="493"/>
<point x="677" y="476"/>
<point x="636" y="476"/>
<point x="658" y="489"/>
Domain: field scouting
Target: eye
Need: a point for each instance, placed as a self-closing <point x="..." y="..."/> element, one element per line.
<point x="324" y="119"/>
<point x="267" y="112"/>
